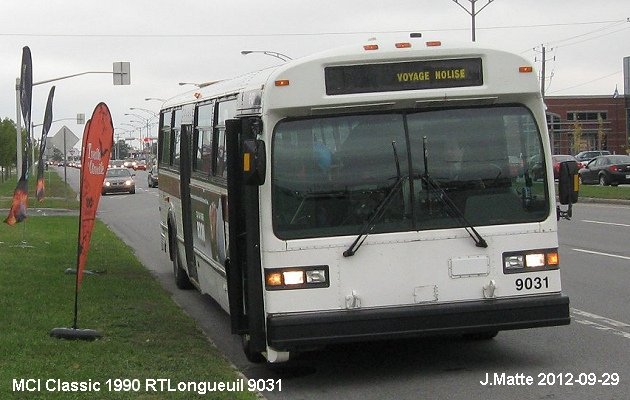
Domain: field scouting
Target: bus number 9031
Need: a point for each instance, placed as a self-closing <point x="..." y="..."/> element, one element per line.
<point x="532" y="283"/>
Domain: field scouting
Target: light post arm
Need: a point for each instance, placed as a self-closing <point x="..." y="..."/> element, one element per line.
<point x="275" y="54"/>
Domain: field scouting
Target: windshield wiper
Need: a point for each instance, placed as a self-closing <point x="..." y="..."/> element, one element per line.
<point x="369" y="226"/>
<point x="446" y="200"/>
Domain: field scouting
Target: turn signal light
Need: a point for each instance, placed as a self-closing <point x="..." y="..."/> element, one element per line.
<point x="282" y="82"/>
<point x="370" y="47"/>
<point x="434" y="43"/>
<point x="297" y="277"/>
<point x="525" y="69"/>
<point x="529" y="261"/>
<point x="553" y="259"/>
<point x="404" y="45"/>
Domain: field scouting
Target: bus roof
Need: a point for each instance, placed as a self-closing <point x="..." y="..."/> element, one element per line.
<point x="300" y="84"/>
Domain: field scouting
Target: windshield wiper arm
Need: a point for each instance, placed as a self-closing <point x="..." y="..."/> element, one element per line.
<point x="445" y="199"/>
<point x="369" y="226"/>
<point x="479" y="241"/>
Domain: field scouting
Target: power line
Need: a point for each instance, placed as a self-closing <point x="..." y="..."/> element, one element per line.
<point x="557" y="42"/>
<point x="238" y="35"/>
<point x="586" y="83"/>
<point x="595" y="37"/>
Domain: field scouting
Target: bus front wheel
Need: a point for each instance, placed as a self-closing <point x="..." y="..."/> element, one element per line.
<point x="481" y="335"/>
<point x="252" y="356"/>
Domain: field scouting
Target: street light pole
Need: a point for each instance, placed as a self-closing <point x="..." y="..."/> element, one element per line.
<point x="275" y="54"/>
<point x="122" y="76"/>
<point x="145" y="110"/>
<point x="199" y="85"/>
<point x="139" y="128"/>
<point x="473" y="13"/>
<point x="148" y="137"/>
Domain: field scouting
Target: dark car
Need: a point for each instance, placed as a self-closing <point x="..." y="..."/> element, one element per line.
<point x="606" y="170"/>
<point x="585" y="156"/>
<point x="119" y="180"/>
<point x="152" y="179"/>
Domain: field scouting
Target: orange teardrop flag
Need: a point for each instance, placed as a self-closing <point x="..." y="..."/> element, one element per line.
<point x="98" y="138"/>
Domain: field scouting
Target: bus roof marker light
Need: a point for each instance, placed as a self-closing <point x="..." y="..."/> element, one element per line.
<point x="403" y="45"/>
<point x="525" y="69"/>
<point x="369" y="47"/>
<point x="434" y="43"/>
<point x="282" y="82"/>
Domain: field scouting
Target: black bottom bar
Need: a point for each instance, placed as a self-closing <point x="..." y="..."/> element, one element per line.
<point x="292" y="332"/>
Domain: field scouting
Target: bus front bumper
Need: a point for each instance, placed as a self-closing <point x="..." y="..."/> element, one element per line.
<point x="295" y="331"/>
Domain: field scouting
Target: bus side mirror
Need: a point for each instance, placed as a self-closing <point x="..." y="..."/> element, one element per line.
<point x="568" y="188"/>
<point x="568" y="183"/>
<point x="254" y="162"/>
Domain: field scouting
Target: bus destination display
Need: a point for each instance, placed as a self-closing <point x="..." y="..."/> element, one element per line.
<point x="411" y="75"/>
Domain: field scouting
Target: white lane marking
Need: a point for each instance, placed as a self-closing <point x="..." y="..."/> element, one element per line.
<point x="600" y="323"/>
<point x="600" y="318"/>
<point x="605" y="223"/>
<point x="602" y="254"/>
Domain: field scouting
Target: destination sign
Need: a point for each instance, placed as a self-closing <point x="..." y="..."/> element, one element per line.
<point x="410" y="75"/>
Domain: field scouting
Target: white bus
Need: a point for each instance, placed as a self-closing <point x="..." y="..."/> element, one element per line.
<point x="377" y="191"/>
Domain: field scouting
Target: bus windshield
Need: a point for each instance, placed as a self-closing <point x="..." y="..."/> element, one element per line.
<point x="330" y="174"/>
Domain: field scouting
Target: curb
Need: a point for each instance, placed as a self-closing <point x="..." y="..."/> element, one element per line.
<point x="593" y="200"/>
<point x="44" y="212"/>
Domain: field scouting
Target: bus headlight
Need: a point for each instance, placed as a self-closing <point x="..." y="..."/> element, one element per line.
<point x="533" y="260"/>
<point x="297" y="277"/>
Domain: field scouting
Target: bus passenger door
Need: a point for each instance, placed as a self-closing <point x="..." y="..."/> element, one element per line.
<point x="244" y="277"/>
<point x="185" y="172"/>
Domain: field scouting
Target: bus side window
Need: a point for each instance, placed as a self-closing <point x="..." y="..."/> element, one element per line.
<point x="165" y="132"/>
<point x="176" y="131"/>
<point x="225" y="110"/>
<point x="203" y="138"/>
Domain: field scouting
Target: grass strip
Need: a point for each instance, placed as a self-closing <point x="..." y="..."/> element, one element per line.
<point x="146" y="336"/>
<point x="58" y="194"/>
<point x="605" y="192"/>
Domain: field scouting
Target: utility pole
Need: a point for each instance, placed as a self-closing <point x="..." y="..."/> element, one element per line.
<point x="543" y="67"/>
<point x="472" y="12"/>
<point x="543" y="81"/>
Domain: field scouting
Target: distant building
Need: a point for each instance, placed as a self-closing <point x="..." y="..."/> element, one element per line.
<point x="600" y="123"/>
<point x="579" y="123"/>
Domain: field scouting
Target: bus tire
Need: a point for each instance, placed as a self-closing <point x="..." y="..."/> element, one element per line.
<point x="252" y="356"/>
<point x="181" y="277"/>
<point x="487" y="335"/>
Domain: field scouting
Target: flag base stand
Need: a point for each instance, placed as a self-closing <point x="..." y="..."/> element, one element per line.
<point x="75" y="334"/>
<point x="23" y="245"/>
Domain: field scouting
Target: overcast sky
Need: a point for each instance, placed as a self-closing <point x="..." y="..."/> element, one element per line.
<point x="197" y="41"/>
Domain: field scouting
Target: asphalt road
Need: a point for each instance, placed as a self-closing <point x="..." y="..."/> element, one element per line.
<point x="583" y="360"/>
